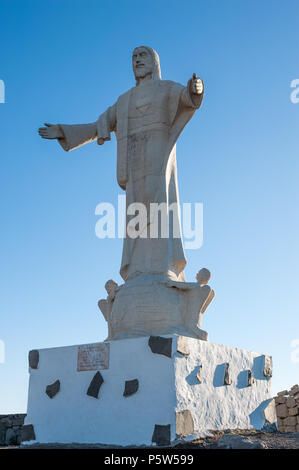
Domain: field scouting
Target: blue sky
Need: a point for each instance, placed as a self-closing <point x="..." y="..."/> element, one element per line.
<point x="66" y="61"/>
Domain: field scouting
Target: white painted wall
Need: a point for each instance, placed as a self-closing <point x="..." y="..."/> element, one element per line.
<point x="165" y="386"/>
<point x="73" y="416"/>
<point x="213" y="405"/>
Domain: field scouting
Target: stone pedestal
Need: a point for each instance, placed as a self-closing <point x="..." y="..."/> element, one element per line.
<point x="145" y="391"/>
<point x="151" y="304"/>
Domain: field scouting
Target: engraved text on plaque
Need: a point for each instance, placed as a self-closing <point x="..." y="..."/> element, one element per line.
<point x="93" y="356"/>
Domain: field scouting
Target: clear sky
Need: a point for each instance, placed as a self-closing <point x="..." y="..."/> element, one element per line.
<point x="66" y="61"/>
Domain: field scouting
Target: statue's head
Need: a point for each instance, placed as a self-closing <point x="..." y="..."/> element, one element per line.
<point x="203" y="276"/>
<point x="110" y="286"/>
<point x="146" y="63"/>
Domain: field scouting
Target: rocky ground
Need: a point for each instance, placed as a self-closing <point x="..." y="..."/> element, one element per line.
<point x="220" y="440"/>
<point x="246" y="440"/>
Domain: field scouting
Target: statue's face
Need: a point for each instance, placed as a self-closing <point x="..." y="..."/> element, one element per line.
<point x="143" y="63"/>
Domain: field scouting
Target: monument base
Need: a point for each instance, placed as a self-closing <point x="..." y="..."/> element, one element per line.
<point x="147" y="391"/>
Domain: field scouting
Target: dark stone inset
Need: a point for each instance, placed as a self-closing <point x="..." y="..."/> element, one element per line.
<point x="28" y="433"/>
<point x="250" y="379"/>
<point x="53" y="389"/>
<point x="33" y="358"/>
<point x="267" y="370"/>
<point x="227" y="380"/>
<point x="184" y="423"/>
<point x="95" y="385"/>
<point x="160" y="345"/>
<point x="131" y="387"/>
<point x="161" y="435"/>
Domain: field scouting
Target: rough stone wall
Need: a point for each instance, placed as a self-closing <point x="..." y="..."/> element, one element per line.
<point x="11" y="429"/>
<point x="287" y="410"/>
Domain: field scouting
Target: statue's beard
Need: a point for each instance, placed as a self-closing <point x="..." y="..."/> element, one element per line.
<point x="142" y="72"/>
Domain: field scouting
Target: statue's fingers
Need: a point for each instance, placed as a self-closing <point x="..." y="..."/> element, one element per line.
<point x="48" y="124"/>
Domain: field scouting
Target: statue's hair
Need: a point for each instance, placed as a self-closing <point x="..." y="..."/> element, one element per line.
<point x="156" y="75"/>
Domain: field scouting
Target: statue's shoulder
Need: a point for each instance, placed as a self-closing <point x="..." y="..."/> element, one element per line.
<point x="172" y="87"/>
<point x="170" y="84"/>
<point x="125" y="95"/>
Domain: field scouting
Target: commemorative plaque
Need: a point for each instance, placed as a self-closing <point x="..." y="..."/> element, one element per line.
<point x="93" y="356"/>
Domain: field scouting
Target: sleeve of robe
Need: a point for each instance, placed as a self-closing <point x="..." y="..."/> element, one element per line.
<point x="75" y="135"/>
<point x="182" y="105"/>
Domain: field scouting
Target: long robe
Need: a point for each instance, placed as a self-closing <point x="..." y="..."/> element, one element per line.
<point x="147" y="121"/>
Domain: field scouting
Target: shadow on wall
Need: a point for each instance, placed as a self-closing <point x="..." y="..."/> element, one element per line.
<point x="257" y="419"/>
<point x="258" y="367"/>
<point x="192" y="378"/>
<point x="218" y="380"/>
<point x="245" y="378"/>
<point x="242" y="379"/>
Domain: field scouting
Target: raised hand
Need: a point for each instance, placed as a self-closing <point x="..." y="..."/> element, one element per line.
<point x="196" y="85"/>
<point x="51" y="131"/>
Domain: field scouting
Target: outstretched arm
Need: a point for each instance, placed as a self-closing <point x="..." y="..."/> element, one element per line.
<point x="75" y="135"/>
<point x="70" y="136"/>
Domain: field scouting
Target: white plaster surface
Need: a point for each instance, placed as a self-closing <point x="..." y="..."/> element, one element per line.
<point x="215" y="406"/>
<point x="166" y="386"/>
<point x="74" y="417"/>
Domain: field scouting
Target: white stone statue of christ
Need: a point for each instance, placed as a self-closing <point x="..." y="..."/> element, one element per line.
<point x="147" y="121"/>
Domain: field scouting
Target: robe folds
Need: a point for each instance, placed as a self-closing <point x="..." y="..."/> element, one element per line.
<point x="147" y="121"/>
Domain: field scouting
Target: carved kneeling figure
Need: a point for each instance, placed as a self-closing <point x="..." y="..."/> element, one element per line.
<point x="197" y="297"/>
<point x="155" y="305"/>
<point x="105" y="305"/>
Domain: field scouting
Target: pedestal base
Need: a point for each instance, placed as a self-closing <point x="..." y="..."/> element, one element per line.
<point x="145" y="391"/>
